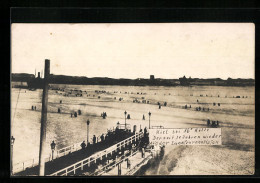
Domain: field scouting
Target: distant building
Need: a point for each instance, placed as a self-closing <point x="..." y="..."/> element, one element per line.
<point x="151" y="77"/>
<point x="184" y="81"/>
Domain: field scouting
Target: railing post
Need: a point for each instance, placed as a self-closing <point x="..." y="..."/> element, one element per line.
<point x="82" y="165"/>
<point x="74" y="170"/>
<point x="66" y="172"/>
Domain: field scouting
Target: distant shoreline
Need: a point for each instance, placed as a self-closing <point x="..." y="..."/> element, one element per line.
<point x="73" y="80"/>
<point x="25" y="86"/>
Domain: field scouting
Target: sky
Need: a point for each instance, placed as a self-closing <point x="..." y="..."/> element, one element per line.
<point x="117" y="50"/>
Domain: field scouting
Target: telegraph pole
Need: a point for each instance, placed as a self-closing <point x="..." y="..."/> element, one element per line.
<point x="44" y="119"/>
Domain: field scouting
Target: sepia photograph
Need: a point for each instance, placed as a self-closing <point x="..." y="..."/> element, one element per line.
<point x="132" y="99"/>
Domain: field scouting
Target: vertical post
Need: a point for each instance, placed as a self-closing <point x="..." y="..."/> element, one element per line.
<point x="52" y="154"/>
<point x="12" y="146"/>
<point x="149" y="118"/>
<point x="149" y="122"/>
<point x="88" y="131"/>
<point x="87" y="134"/>
<point x="12" y="159"/>
<point x="44" y="119"/>
<point x="125" y="119"/>
<point x="119" y="169"/>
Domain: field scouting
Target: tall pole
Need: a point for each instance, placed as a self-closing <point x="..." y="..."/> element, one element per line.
<point x="12" y="146"/>
<point x="52" y="153"/>
<point x="87" y="134"/>
<point x="44" y="119"/>
<point x="11" y="159"/>
<point x="149" y="118"/>
<point x="125" y="119"/>
<point x="88" y="131"/>
<point x="119" y="169"/>
<point x="149" y="121"/>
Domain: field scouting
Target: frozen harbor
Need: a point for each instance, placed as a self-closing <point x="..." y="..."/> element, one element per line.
<point x="236" y="117"/>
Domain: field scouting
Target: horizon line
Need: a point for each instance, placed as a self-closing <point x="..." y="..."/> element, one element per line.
<point x="138" y="78"/>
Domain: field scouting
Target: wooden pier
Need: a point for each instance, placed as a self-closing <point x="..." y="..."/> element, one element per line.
<point x="21" y="166"/>
<point x="72" y="169"/>
<point x="72" y="160"/>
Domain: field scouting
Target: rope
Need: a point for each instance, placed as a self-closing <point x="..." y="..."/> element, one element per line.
<point x="16" y="105"/>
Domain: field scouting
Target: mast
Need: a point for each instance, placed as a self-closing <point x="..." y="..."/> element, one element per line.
<point x="44" y="119"/>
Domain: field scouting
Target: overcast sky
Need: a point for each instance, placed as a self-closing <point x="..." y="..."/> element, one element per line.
<point x="166" y="50"/>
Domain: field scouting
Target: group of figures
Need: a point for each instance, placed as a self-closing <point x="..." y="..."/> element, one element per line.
<point x="104" y="115"/>
<point x="214" y="104"/>
<point x="212" y="123"/>
<point x="75" y="114"/>
<point x="197" y="108"/>
<point x="94" y="139"/>
<point x="202" y="109"/>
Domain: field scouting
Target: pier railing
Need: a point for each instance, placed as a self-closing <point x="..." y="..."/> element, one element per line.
<point x="136" y="167"/>
<point x="157" y="127"/>
<point x="69" y="149"/>
<point x="93" y="158"/>
<point x="18" y="167"/>
<point x="123" y="126"/>
<point x="110" y="166"/>
<point x="21" y="166"/>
